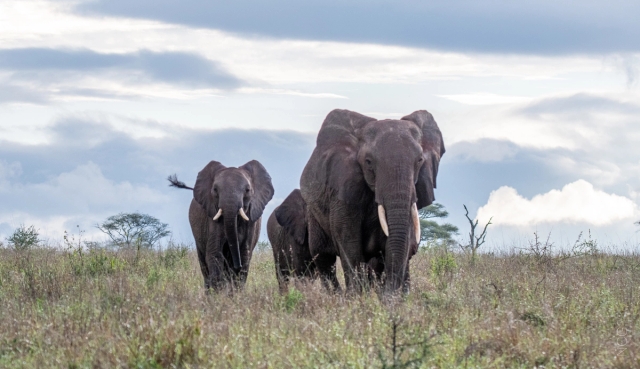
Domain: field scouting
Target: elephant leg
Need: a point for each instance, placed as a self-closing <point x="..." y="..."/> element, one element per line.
<point x="217" y="273"/>
<point x="283" y="279"/>
<point x="346" y="229"/>
<point x="326" y="265"/>
<point x="216" y="264"/>
<point x="375" y="267"/>
<point x="203" y="267"/>
<point x="406" y="286"/>
<point x="323" y="255"/>
<point x="283" y="267"/>
<point x="240" y="279"/>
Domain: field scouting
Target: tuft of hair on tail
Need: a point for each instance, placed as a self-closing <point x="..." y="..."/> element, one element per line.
<point x="174" y="182"/>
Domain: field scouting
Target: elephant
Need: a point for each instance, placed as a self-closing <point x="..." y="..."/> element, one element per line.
<point x="225" y="216"/>
<point x="363" y="186"/>
<point x="287" y="231"/>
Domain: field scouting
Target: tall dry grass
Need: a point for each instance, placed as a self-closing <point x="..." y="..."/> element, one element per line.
<point x="110" y="309"/>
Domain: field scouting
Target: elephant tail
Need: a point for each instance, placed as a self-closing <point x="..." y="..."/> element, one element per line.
<point x="173" y="180"/>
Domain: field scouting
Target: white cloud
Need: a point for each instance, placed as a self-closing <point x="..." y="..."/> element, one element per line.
<point x="28" y="23"/>
<point x="486" y="99"/>
<point x="321" y="95"/>
<point x="577" y="202"/>
<point x="81" y="196"/>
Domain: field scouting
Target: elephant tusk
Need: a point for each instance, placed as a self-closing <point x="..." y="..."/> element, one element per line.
<point x="218" y="214"/>
<point x="243" y="215"/>
<point x="383" y="220"/>
<point x="416" y="221"/>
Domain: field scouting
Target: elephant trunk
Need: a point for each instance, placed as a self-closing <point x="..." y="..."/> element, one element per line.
<point x="398" y="216"/>
<point x="399" y="222"/>
<point x="231" y="230"/>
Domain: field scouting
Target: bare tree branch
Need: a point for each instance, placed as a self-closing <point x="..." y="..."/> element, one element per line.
<point x="475" y="241"/>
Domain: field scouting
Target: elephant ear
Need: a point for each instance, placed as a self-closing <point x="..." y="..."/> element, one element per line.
<point x="204" y="183"/>
<point x="337" y="150"/>
<point x="262" y="188"/>
<point x="292" y="216"/>
<point x="432" y="149"/>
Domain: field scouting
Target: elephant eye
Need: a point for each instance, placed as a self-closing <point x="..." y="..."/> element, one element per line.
<point x="368" y="161"/>
<point x="246" y="190"/>
<point x="420" y="160"/>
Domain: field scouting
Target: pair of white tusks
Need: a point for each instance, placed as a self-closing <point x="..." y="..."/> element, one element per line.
<point x="414" y="217"/>
<point x="241" y="212"/>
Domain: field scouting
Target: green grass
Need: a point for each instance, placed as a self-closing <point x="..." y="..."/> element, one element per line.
<point x="107" y="309"/>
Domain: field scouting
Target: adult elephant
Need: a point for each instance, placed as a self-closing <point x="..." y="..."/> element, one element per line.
<point x="287" y="231"/>
<point x="225" y="216"/>
<point x="363" y="186"/>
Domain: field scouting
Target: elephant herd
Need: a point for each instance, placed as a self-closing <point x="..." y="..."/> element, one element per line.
<point x="358" y="200"/>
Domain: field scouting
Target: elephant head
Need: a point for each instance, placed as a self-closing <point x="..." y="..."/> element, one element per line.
<point x="391" y="162"/>
<point x="229" y="193"/>
<point x="292" y="216"/>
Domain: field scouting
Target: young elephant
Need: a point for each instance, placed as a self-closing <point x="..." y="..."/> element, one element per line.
<point x="287" y="230"/>
<point x="225" y="216"/>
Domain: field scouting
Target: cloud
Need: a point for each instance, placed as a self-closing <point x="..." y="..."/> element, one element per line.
<point x="527" y="27"/>
<point x="483" y="150"/>
<point x="485" y="99"/>
<point x="321" y="95"/>
<point x="44" y="184"/>
<point x="271" y="62"/>
<point x="578" y="106"/>
<point x="16" y="94"/>
<point x="83" y="195"/>
<point x="577" y="202"/>
<point x="168" y="67"/>
<point x="89" y="169"/>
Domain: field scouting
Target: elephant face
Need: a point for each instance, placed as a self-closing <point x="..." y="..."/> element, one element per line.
<point x="227" y="194"/>
<point x="389" y="149"/>
<point x="355" y="153"/>
<point x="247" y="188"/>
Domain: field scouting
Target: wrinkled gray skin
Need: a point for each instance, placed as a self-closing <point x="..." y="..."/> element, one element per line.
<point x="358" y="164"/>
<point x="225" y="245"/>
<point x="287" y="231"/>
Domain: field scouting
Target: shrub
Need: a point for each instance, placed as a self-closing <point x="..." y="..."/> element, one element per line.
<point x="24" y="238"/>
<point x="292" y="299"/>
<point x="173" y="256"/>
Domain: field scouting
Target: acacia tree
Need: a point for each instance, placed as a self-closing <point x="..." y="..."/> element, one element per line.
<point x="24" y="238"/>
<point x="430" y="230"/>
<point x="125" y="229"/>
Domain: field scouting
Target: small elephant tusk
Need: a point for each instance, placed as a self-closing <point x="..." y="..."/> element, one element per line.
<point x="218" y="214"/>
<point x="416" y="221"/>
<point x="243" y="215"/>
<point x="383" y="220"/>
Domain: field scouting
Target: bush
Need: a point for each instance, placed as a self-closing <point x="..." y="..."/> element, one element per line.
<point x="262" y="246"/>
<point x="173" y="256"/>
<point x="24" y="238"/>
<point x="292" y="299"/>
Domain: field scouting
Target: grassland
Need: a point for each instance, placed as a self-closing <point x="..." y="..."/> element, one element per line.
<point x="125" y="309"/>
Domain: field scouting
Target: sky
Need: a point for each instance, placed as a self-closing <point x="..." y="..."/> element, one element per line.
<point x="538" y="103"/>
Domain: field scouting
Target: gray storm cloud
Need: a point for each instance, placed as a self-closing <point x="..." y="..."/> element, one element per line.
<point x="527" y="27"/>
<point x="170" y="67"/>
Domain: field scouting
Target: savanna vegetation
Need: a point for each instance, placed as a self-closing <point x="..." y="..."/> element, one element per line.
<point x="72" y="306"/>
